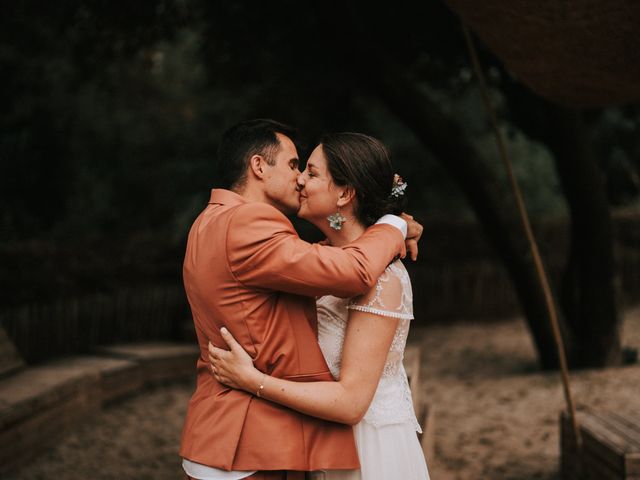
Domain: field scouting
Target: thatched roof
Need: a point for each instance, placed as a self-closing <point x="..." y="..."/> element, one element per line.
<point x="574" y="52"/>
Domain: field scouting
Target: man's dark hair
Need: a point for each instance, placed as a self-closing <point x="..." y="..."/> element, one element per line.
<point x="240" y="142"/>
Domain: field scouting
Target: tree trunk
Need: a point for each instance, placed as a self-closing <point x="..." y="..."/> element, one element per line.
<point x="588" y="294"/>
<point x="588" y="300"/>
<point x="491" y="201"/>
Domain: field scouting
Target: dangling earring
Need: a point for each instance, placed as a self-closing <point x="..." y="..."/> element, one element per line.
<point x="336" y="220"/>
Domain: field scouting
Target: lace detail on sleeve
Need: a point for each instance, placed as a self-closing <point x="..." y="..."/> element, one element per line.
<point x="391" y="296"/>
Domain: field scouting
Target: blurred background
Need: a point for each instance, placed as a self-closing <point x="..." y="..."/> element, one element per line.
<point x="110" y="117"/>
<point x="111" y="114"/>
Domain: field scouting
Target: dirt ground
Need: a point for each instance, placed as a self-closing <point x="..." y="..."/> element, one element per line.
<point x="496" y="417"/>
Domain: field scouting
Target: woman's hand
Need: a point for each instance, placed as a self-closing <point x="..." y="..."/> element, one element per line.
<point x="234" y="368"/>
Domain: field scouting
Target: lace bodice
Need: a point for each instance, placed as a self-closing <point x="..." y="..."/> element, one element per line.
<point x="391" y="297"/>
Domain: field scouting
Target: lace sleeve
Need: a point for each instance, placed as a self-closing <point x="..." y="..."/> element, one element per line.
<point x="390" y="297"/>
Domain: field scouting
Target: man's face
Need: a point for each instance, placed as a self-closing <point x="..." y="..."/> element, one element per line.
<point x="280" y="180"/>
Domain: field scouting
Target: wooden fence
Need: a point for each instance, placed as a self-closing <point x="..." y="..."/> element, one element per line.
<point x="482" y="289"/>
<point x="75" y="325"/>
<point x="474" y="289"/>
<point x="458" y="276"/>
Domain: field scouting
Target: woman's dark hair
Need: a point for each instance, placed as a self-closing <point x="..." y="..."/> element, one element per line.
<point x="363" y="163"/>
<point x="243" y="140"/>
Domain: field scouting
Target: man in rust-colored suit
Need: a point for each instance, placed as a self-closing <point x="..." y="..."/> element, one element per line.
<point x="245" y="268"/>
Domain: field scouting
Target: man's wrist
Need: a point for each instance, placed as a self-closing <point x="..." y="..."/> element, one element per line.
<point x="394" y="221"/>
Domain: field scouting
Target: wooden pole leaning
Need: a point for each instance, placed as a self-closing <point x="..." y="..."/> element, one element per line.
<point x="524" y="217"/>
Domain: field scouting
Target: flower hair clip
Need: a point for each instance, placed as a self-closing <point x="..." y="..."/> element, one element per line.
<point x="399" y="186"/>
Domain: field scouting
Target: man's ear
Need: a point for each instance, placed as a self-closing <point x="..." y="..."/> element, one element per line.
<point x="347" y="195"/>
<point x="257" y="165"/>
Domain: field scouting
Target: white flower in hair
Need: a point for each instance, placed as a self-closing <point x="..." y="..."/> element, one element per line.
<point x="399" y="186"/>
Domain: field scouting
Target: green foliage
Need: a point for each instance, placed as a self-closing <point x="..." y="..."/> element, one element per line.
<point x="111" y="114"/>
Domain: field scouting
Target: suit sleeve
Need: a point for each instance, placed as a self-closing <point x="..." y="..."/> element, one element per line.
<point x="264" y="251"/>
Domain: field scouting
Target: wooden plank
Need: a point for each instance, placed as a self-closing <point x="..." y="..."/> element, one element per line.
<point x="39" y="404"/>
<point x="602" y="432"/>
<point x="10" y="359"/>
<point x="34" y="389"/>
<point x="626" y="426"/>
<point x="159" y="361"/>
<point x="412" y="363"/>
<point x="623" y="426"/>
<point x="118" y="377"/>
<point x="27" y="439"/>
<point x="631" y="420"/>
<point x="424" y="411"/>
<point x="611" y="445"/>
<point x="604" y="446"/>
<point x="36" y="430"/>
<point x="593" y="448"/>
<point x="621" y="440"/>
<point x="427" y="437"/>
<point x="595" y="470"/>
<point x="116" y="385"/>
<point x="570" y="466"/>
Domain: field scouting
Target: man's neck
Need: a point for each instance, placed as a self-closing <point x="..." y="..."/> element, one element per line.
<point x="256" y="194"/>
<point x="250" y="194"/>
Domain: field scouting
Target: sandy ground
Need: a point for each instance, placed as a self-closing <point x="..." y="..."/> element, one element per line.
<point x="496" y="417"/>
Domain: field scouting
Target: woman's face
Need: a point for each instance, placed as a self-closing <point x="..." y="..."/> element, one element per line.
<point x="318" y="194"/>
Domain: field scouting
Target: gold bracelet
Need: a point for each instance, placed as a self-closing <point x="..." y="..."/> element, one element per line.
<point x="261" y="387"/>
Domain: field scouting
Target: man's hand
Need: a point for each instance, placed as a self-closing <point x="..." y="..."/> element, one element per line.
<point x="414" y="232"/>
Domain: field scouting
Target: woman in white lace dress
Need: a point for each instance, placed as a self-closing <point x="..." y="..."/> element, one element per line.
<point x="347" y="185"/>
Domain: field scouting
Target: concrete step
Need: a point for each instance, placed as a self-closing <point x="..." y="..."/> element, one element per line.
<point x="39" y="404"/>
<point x="159" y="361"/>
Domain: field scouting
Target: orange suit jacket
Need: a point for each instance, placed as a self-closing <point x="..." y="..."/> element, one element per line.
<point x="245" y="268"/>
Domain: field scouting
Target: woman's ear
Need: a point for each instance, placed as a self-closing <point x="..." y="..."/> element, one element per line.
<point x="347" y="195"/>
<point x="256" y="165"/>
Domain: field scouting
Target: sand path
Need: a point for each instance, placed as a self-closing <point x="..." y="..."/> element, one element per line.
<point x="496" y="416"/>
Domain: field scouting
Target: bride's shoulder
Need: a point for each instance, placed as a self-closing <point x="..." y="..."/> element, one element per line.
<point x="391" y="295"/>
<point x="398" y="270"/>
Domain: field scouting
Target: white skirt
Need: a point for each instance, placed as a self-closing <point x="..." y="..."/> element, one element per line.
<point x="390" y="452"/>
